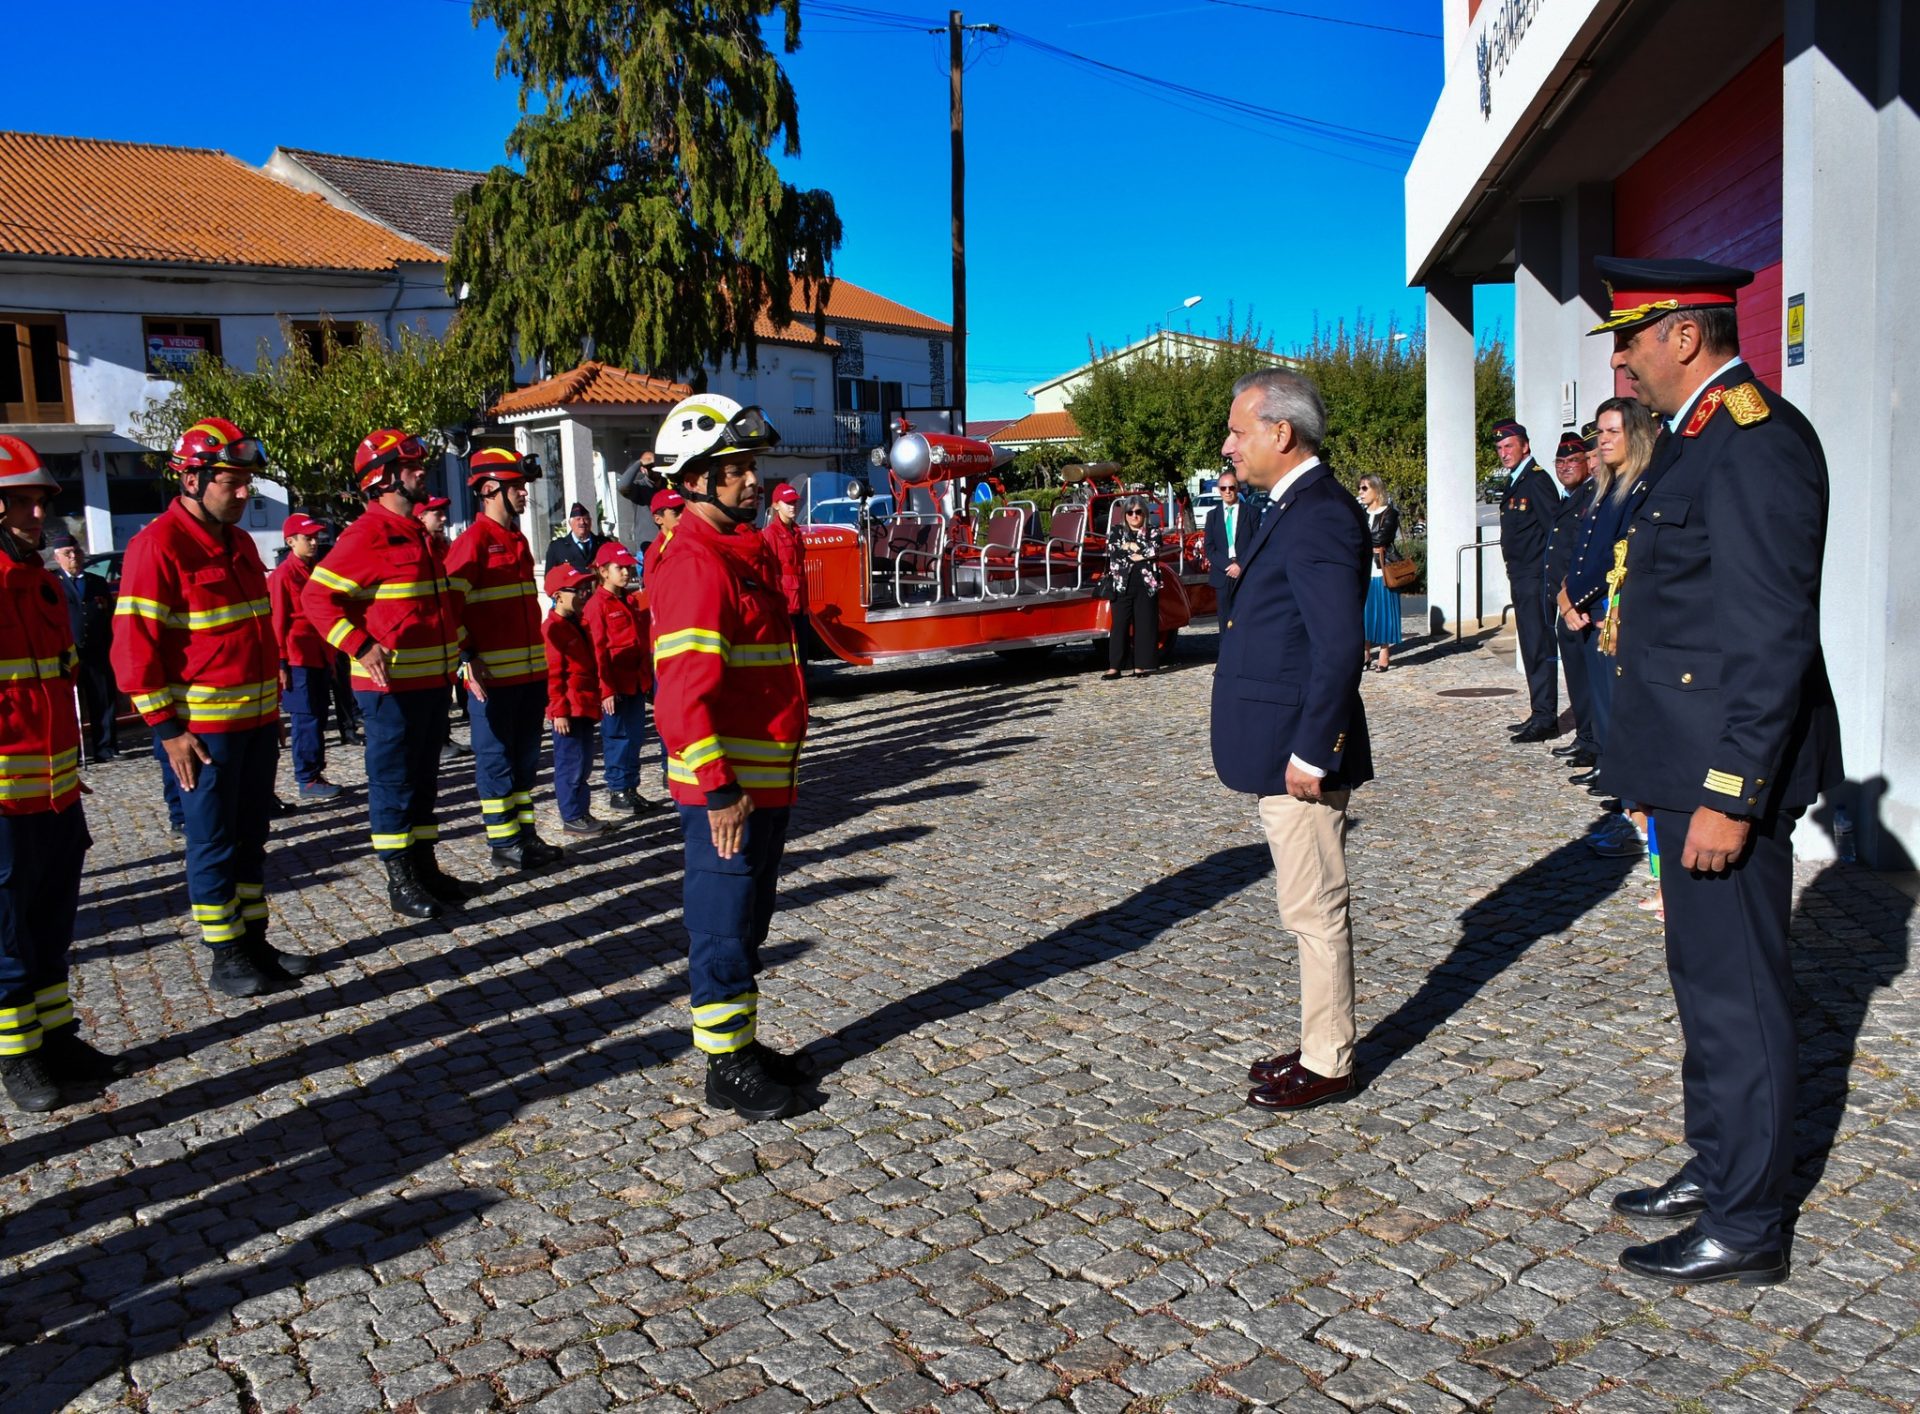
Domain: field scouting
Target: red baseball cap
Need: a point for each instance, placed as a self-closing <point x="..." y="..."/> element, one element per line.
<point x="565" y="577"/>
<point x="300" y="524"/>
<point x="785" y="495"/>
<point x="432" y="503"/>
<point x="613" y="553"/>
<point x="667" y="500"/>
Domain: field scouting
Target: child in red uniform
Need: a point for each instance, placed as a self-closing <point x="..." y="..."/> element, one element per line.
<point x="573" y="697"/>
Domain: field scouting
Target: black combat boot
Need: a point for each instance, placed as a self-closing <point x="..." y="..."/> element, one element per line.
<point x="439" y="885"/>
<point x="280" y="966"/>
<point x="539" y="853"/>
<point x="623" y="801"/>
<point x="238" y="975"/>
<point x="29" y="1084"/>
<point x="404" y="893"/>
<point x="739" y="1081"/>
<point x="786" y="1070"/>
<point x="72" y="1060"/>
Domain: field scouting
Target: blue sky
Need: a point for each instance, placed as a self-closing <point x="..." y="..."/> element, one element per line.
<point x="1094" y="202"/>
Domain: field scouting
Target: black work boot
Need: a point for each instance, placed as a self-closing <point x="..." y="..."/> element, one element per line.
<point x="623" y="801"/>
<point x="280" y="966"/>
<point x="789" y="1071"/>
<point x="739" y="1081"/>
<point x="238" y="975"/>
<point x="71" y="1059"/>
<point x="29" y="1084"/>
<point x="539" y="853"/>
<point x="439" y="885"/>
<point x="404" y="893"/>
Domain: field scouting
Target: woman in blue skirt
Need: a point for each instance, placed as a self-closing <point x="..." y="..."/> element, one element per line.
<point x="1382" y="622"/>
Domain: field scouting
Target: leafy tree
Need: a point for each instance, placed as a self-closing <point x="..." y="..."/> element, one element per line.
<point x="311" y="413"/>
<point x="649" y="224"/>
<point x="1039" y="465"/>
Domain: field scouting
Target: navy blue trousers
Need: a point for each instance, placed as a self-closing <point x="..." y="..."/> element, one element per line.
<point x="306" y="703"/>
<point x="728" y="906"/>
<point x="229" y="812"/>
<point x="1578" y="665"/>
<point x="1600" y="673"/>
<point x="41" y="857"/>
<point x="626" y="731"/>
<point x="572" y="765"/>
<point x="1732" y="984"/>
<point x="506" y="731"/>
<point x="405" y="731"/>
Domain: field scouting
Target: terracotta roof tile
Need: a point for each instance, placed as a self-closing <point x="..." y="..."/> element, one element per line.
<point x="410" y="198"/>
<point x="848" y="301"/>
<point x="594" y="383"/>
<point x="1039" y="427"/>
<point x="87" y="199"/>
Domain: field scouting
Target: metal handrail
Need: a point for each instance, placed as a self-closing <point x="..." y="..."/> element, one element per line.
<point x="1460" y="580"/>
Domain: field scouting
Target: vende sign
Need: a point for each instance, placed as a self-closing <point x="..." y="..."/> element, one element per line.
<point x="172" y="353"/>
<point x="1506" y="26"/>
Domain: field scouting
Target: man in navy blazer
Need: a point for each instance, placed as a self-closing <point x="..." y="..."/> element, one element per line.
<point x="1288" y="726"/>
<point x="1228" y="533"/>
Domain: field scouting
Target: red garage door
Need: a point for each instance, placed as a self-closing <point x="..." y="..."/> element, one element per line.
<point x="1711" y="189"/>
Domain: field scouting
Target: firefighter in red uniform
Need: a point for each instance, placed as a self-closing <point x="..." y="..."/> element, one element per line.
<point x="623" y="654"/>
<point x="193" y="647"/>
<point x="381" y="597"/>
<point x="491" y="565"/>
<point x="732" y="711"/>
<point x="666" y="508"/>
<point x="306" y="659"/>
<point x="43" y="831"/>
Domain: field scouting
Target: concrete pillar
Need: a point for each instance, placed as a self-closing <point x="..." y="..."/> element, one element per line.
<point x="1850" y="234"/>
<point x="97" y="514"/>
<point x="576" y="464"/>
<point x="1452" y="495"/>
<point x="1539" y="333"/>
<point x="1586" y="230"/>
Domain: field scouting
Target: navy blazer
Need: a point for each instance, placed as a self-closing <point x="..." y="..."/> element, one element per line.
<point x="1288" y="680"/>
<point x="1527" y="512"/>
<point x="1721" y="696"/>
<point x="1215" y="546"/>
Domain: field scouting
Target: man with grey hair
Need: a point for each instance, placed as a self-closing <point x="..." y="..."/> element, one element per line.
<point x="1288" y="726"/>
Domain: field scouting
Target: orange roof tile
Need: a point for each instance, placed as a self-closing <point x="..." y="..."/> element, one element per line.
<point x="1039" y="427"/>
<point x="82" y="198"/>
<point x="600" y="384"/>
<point x="850" y="302"/>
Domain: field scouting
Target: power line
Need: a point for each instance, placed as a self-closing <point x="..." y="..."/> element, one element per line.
<point x="1324" y="19"/>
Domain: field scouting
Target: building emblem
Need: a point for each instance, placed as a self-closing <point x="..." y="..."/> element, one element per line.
<point x="1486" y="76"/>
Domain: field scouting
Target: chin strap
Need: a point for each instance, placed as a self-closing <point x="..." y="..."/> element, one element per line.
<point x="739" y="515"/>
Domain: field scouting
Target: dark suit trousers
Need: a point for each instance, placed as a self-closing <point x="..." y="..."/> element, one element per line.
<point x="1732" y="983"/>
<point x="1573" y="657"/>
<point x="1533" y="620"/>
<point x="1600" y="670"/>
<point x="99" y="699"/>
<point x="1138" y="607"/>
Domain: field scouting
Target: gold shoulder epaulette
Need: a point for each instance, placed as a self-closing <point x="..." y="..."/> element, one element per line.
<point x="1747" y="404"/>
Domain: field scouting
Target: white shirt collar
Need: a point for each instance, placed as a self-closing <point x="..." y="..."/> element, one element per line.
<point x="1287" y="482"/>
<point x="1679" y="417"/>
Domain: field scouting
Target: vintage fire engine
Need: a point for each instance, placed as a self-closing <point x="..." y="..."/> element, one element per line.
<point x="922" y="583"/>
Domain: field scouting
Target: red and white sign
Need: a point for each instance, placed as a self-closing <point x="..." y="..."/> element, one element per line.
<point x="172" y="353"/>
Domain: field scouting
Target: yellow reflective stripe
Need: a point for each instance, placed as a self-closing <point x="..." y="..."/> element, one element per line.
<point x="508" y="831"/>
<point x="407" y="589"/>
<point x="690" y="640"/>
<point x="250" y="890"/>
<point x="60" y="1015"/>
<point x="534" y="656"/>
<point x="18" y="1043"/>
<point x="699" y="753"/>
<point x="127" y="606"/>
<point x="392" y="842"/>
<point x="748" y="748"/>
<point x="51" y="996"/>
<point x="415" y="662"/>
<point x="337" y="635"/>
<point x="228" y="614"/>
<point x="144" y="702"/>
<point x="194" y="694"/>
<point x="495" y="593"/>
<point x="336" y="582"/>
<point x="1726" y="783"/>
<point x="36" y="787"/>
<point x="773" y="778"/>
<point x="11" y="765"/>
<point x="425" y="834"/>
<point x="13" y="1017"/>
<point x="496" y="806"/>
<point x="202" y="912"/>
<point x="523" y="797"/>
<point x="460" y="584"/>
<point x="713" y="1013"/>
<point x="26" y="669"/>
<point x="760" y="655"/>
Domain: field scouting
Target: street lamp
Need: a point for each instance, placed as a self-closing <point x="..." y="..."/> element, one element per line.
<point x="1188" y="303"/>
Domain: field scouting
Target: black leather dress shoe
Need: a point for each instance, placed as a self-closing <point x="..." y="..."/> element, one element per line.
<point x="1676" y="1198"/>
<point x="1581" y="760"/>
<point x="1519" y="726"/>
<point x="1586" y="777"/>
<point x="1691" y="1258"/>
<point x="1539" y="731"/>
<point x="1265" y="1072"/>
<point x="1572" y="748"/>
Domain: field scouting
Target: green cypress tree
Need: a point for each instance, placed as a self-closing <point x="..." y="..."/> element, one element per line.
<point x="650" y="223"/>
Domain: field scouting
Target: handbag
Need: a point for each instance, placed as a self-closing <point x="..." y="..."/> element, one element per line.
<point x="1398" y="574"/>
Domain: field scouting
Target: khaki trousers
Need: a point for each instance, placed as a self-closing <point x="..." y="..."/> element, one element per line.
<point x="1308" y="841"/>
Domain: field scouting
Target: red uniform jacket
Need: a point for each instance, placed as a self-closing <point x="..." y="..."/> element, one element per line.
<point x="621" y="653"/>
<point x="491" y="565"/>
<point x="193" y="630"/>
<point x="573" y="686"/>
<point x="381" y="583"/>
<point x="790" y="553"/>
<point x="650" y="556"/>
<point x="729" y="701"/>
<point x="301" y="644"/>
<point x="39" y="729"/>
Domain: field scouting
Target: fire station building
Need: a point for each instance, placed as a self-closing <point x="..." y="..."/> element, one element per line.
<point x="1782" y="137"/>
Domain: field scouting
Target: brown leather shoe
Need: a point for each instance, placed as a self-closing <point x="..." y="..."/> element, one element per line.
<point x="1265" y="1072"/>
<point x="1301" y="1089"/>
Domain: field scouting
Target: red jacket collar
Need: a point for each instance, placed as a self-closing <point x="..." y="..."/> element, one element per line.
<point x="214" y="537"/>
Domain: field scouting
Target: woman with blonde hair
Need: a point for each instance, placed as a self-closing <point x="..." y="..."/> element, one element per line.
<point x="1381" y="618"/>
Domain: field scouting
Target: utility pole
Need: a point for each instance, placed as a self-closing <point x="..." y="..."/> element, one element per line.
<point x="956" y="54"/>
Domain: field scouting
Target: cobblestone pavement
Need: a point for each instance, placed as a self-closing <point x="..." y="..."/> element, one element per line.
<point x="466" y="1167"/>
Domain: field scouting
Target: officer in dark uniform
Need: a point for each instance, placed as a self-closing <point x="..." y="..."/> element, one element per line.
<point x="1570" y="470"/>
<point x="1527" y="511"/>
<point x="1724" y="726"/>
<point x="90" y="614"/>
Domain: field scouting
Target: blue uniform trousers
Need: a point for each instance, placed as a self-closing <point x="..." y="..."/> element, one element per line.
<point x="728" y="905"/>
<point x="1533" y="625"/>
<point x="1600" y="670"/>
<point x="626" y="731"/>
<point x="506" y="731"/>
<point x="1732" y="985"/>
<point x="405" y="731"/>
<point x="41" y="857"/>
<point x="572" y="765"/>
<point x="306" y="703"/>
<point x="170" y="788"/>
<point x="1578" y="667"/>
<point x="229" y="812"/>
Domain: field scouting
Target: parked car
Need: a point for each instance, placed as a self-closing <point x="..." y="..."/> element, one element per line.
<point x="106" y="565"/>
<point x="845" y="510"/>
<point x="1204" y="506"/>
